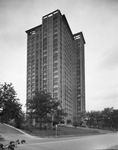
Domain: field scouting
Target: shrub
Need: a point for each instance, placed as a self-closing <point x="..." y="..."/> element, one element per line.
<point x="75" y="124"/>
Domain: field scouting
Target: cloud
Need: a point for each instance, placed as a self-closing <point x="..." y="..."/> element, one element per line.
<point x="103" y="100"/>
<point x="110" y="59"/>
<point x="109" y="100"/>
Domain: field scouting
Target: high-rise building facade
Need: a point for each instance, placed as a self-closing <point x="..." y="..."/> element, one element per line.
<point x="55" y="63"/>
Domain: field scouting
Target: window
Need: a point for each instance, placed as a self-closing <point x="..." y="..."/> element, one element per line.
<point x="55" y="74"/>
<point x="55" y="55"/>
<point x="55" y="59"/>
<point x="55" y="89"/>
<point x="55" y="95"/>
<point x="55" y="32"/>
<point x="55" y="79"/>
<point x="55" y="45"/>
<point x="55" y="41"/>
<point x="44" y="63"/>
<point x="32" y="32"/>
<point x="45" y="67"/>
<point x="44" y="47"/>
<point x="55" y="85"/>
<point x="44" y="76"/>
<point x="55" y="69"/>
<point x="55" y="36"/>
<point x="45" y="72"/>
<point x="55" y="50"/>
<point x="55" y="65"/>
<point x="44" y="53"/>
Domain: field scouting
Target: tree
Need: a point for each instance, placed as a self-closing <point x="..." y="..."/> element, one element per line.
<point x="114" y="119"/>
<point x="69" y="121"/>
<point x="10" y="103"/>
<point x="106" y="117"/>
<point x="58" y="115"/>
<point x="93" y="118"/>
<point x="75" y="123"/>
<point x="20" y="119"/>
<point x="41" y="107"/>
<point x="90" y="118"/>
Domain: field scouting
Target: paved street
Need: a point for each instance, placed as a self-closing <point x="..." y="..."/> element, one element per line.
<point x="103" y="141"/>
<point x="76" y="143"/>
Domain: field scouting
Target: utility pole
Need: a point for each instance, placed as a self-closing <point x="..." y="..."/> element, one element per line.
<point x="56" y="130"/>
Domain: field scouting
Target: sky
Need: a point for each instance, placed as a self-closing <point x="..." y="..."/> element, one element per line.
<point x="97" y="19"/>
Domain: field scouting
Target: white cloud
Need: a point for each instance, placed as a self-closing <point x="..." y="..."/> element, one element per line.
<point x="110" y="59"/>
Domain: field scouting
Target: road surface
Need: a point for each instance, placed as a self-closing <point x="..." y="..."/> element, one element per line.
<point x="93" y="142"/>
<point x="104" y="141"/>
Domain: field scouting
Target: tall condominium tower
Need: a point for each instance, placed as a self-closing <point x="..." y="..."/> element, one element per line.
<point x="55" y="63"/>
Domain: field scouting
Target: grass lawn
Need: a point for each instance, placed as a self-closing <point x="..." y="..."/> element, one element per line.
<point x="64" y="131"/>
